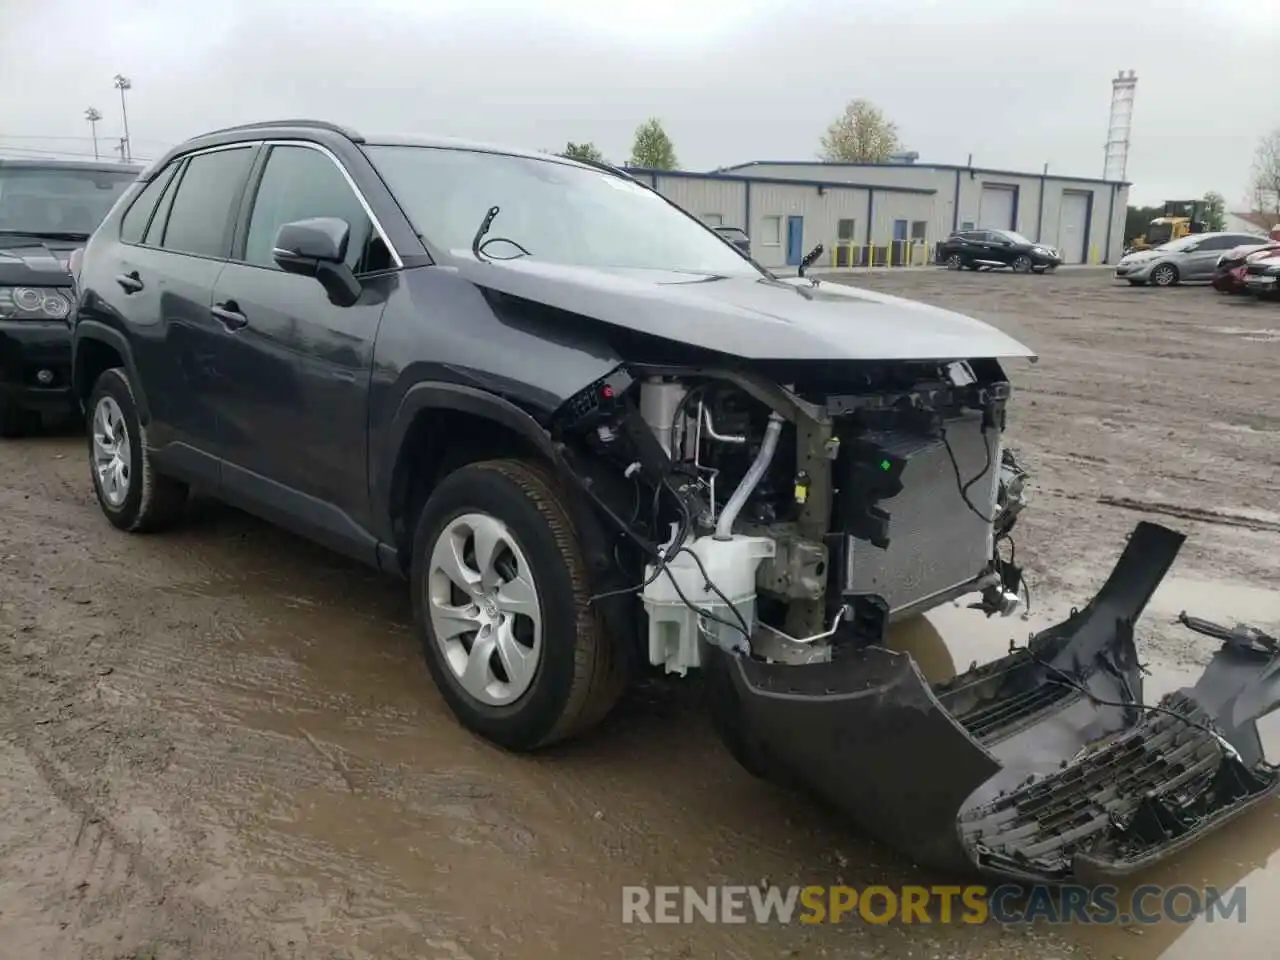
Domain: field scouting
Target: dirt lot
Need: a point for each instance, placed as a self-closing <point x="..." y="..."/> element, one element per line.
<point x="222" y="742"/>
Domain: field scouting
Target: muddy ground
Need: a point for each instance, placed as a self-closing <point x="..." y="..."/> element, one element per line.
<point x="222" y="742"/>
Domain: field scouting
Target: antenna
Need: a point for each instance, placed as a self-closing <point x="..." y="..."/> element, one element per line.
<point x="1118" y="127"/>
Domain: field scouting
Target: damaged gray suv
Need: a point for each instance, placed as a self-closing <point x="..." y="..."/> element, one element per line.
<point x="597" y="439"/>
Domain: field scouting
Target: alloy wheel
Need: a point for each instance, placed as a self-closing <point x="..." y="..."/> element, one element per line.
<point x="112" y="454"/>
<point x="484" y="608"/>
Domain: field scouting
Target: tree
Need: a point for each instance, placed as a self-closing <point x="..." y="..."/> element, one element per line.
<point x="1215" y="211"/>
<point x="582" y="151"/>
<point x="1264" y="186"/>
<point x="862" y="134"/>
<point x="653" y="149"/>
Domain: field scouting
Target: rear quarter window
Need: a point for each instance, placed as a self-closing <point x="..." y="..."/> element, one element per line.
<point x="136" y="218"/>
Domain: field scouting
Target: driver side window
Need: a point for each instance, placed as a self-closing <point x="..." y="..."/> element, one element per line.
<point x="300" y="183"/>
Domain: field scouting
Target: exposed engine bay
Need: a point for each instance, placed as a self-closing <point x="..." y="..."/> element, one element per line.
<point x="763" y="513"/>
<point x="773" y="523"/>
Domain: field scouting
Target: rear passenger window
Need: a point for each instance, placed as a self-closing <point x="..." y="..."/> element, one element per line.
<point x="299" y="183"/>
<point x="205" y="203"/>
<point x="139" y="214"/>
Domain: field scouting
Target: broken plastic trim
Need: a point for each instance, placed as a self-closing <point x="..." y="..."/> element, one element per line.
<point x="1013" y="768"/>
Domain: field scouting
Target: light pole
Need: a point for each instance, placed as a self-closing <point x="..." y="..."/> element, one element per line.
<point x="122" y="84"/>
<point x="93" y="116"/>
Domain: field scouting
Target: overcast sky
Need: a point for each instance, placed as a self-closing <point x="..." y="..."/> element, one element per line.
<point x="1017" y="83"/>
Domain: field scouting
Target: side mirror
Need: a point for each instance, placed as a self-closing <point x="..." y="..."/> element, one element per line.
<point x="318" y="248"/>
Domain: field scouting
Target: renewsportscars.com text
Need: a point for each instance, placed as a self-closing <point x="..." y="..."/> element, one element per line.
<point x="934" y="904"/>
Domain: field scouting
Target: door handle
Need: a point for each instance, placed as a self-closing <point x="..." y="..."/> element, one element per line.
<point x="130" y="282"/>
<point x="229" y="313"/>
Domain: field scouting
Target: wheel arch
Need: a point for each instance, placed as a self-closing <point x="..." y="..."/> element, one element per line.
<point x="96" y="347"/>
<point x="439" y="427"/>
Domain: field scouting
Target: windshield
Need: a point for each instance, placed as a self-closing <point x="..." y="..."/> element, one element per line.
<point x="558" y="212"/>
<point x="1011" y="235"/>
<point x="58" y="200"/>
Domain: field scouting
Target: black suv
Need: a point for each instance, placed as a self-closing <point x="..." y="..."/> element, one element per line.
<point x="47" y="209"/>
<point x="975" y="249"/>
<point x="532" y="386"/>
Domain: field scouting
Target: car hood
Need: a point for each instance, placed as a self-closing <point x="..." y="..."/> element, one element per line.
<point x="33" y="262"/>
<point x="1142" y="256"/>
<point x="754" y="318"/>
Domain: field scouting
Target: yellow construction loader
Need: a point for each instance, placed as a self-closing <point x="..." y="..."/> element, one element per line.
<point x="1181" y="217"/>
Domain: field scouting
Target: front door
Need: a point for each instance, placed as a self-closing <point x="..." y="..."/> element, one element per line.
<point x="295" y="366"/>
<point x="795" y="241"/>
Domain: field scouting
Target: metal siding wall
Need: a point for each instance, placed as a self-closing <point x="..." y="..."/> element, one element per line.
<point x="905" y="206"/>
<point x="821" y="214"/>
<point x="707" y="196"/>
<point x="1118" y="216"/>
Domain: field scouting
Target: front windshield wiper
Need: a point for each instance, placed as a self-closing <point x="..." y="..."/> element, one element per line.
<point x="47" y="234"/>
<point x="477" y="247"/>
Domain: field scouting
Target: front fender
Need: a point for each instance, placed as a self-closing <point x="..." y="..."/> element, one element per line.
<point x="437" y="395"/>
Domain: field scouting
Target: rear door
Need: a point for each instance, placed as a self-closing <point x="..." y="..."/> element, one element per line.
<point x="174" y="241"/>
<point x="295" y="368"/>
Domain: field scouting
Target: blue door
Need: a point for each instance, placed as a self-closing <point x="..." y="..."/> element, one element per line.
<point x="795" y="241"/>
<point x="898" y="255"/>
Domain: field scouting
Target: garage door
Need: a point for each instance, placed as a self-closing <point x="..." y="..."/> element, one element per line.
<point x="1073" y="226"/>
<point x="996" y="209"/>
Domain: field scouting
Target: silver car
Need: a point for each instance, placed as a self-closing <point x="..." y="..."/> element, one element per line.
<point x="1187" y="258"/>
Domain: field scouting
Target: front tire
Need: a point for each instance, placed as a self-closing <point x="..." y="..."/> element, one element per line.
<point x="132" y="495"/>
<point x="955" y="261"/>
<point x="1022" y="264"/>
<point x="1165" y="275"/>
<point x="501" y="602"/>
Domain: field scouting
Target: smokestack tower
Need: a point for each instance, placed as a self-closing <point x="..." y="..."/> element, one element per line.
<point x="1121" y="122"/>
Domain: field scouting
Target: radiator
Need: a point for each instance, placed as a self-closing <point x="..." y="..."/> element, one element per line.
<point x="936" y="542"/>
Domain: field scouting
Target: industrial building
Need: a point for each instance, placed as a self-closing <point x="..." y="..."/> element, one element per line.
<point x="892" y="214"/>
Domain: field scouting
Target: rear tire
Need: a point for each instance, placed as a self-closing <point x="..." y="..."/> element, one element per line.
<point x="549" y="670"/>
<point x="132" y="494"/>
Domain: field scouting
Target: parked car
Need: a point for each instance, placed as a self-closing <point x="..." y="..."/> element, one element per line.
<point x="1189" y="258"/>
<point x="737" y="236"/>
<point x="1262" y="277"/>
<point x="1228" y="274"/>
<point x="47" y="209"/>
<point x="597" y="439"/>
<point x="973" y="249"/>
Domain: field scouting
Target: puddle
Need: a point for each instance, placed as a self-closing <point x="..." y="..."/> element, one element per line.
<point x="1227" y="602"/>
<point x="1257" y="336"/>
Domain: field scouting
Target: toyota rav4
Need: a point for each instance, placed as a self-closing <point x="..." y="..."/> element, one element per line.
<point x="596" y="438"/>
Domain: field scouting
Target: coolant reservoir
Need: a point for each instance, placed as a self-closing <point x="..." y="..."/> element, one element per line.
<point x="674" y="640"/>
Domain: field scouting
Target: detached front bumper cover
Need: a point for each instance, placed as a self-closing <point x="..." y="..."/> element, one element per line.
<point x="1040" y="766"/>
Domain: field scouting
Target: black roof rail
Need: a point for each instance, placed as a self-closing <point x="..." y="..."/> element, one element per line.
<point x="347" y="132"/>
